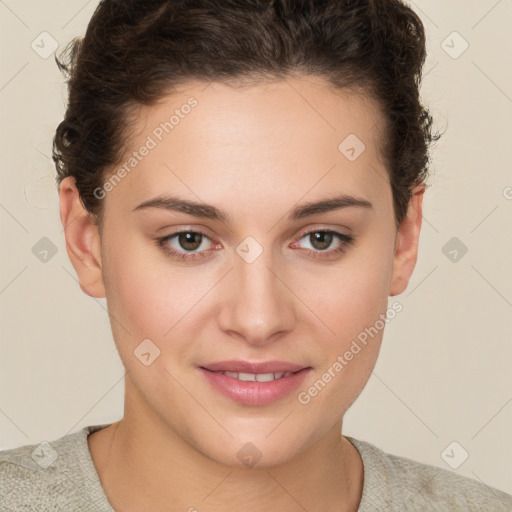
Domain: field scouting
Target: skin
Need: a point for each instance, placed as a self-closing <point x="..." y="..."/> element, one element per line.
<point x="256" y="152"/>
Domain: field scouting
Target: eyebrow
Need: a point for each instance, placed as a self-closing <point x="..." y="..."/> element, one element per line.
<point x="212" y="212"/>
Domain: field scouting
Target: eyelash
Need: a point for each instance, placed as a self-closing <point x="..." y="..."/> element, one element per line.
<point x="346" y="240"/>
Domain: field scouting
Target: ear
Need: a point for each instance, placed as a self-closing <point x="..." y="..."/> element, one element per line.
<point x="83" y="243"/>
<point x="406" y="247"/>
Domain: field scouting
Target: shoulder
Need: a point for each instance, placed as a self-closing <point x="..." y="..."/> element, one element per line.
<point x="46" y="475"/>
<point x="392" y="482"/>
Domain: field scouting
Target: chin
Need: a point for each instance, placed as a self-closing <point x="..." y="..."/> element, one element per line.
<point x="255" y="450"/>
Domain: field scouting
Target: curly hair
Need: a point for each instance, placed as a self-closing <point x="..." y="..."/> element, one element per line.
<point x="135" y="52"/>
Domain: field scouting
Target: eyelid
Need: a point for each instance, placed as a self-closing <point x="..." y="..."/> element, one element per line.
<point x="342" y="230"/>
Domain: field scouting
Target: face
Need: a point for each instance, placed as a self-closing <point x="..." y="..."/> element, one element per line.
<point x="252" y="271"/>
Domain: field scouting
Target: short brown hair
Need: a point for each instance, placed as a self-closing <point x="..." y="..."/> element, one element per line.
<point x="135" y="51"/>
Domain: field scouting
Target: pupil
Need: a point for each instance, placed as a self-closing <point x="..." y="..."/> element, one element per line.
<point x="324" y="239"/>
<point x="185" y="239"/>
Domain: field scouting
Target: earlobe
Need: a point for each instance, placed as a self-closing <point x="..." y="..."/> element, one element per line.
<point x="82" y="239"/>
<point x="407" y="241"/>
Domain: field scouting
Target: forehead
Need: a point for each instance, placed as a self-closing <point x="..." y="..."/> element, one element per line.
<point x="294" y="137"/>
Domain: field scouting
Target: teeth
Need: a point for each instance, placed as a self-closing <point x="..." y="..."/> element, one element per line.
<point x="257" y="377"/>
<point x="247" y="376"/>
<point x="265" y="377"/>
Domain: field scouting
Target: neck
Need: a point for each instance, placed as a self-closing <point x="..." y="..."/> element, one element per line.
<point x="145" y="465"/>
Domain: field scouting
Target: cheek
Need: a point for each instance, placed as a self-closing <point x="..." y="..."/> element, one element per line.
<point x="151" y="298"/>
<point x="139" y="294"/>
<point x="143" y="292"/>
<point x="351" y="303"/>
<point x="348" y="297"/>
<point x="139" y="297"/>
<point x="345" y="359"/>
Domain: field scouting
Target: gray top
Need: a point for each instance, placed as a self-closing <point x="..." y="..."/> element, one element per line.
<point x="60" y="476"/>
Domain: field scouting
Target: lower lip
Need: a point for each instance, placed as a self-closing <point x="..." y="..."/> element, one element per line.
<point x="255" y="393"/>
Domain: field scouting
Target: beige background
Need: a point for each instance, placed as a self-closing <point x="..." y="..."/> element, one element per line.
<point x="444" y="373"/>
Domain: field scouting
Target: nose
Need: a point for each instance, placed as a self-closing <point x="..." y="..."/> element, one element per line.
<point x="258" y="304"/>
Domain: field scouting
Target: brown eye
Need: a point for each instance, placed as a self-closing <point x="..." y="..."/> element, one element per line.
<point x="322" y="243"/>
<point x="185" y="245"/>
<point x="189" y="241"/>
<point x="321" y="240"/>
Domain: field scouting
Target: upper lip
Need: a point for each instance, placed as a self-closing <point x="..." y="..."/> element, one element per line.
<point x="253" y="367"/>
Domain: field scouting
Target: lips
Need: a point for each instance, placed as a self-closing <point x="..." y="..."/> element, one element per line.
<point x="255" y="384"/>
<point x="237" y="366"/>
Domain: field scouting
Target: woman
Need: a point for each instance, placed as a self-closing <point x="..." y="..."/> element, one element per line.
<point x="243" y="182"/>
